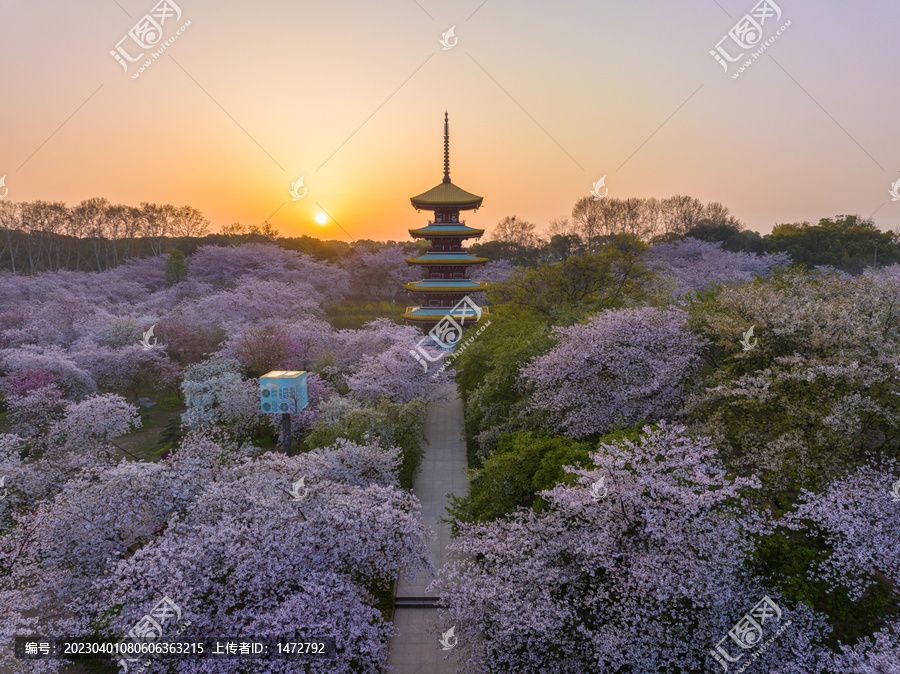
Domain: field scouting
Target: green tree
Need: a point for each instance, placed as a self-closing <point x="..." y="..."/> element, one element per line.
<point x="176" y="269"/>
<point x="518" y="254"/>
<point x="384" y="423"/>
<point x="487" y="375"/>
<point x="847" y="242"/>
<point x="586" y="283"/>
<point x="524" y="464"/>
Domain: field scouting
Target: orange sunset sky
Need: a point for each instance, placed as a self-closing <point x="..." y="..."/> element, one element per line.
<point x="544" y="99"/>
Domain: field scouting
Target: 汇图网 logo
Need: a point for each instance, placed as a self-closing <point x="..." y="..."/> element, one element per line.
<point x="746" y="343"/>
<point x="298" y="189"/>
<point x="147" y="34"/>
<point x="449" y="39"/>
<point x="448" y="331"/>
<point x="748" y="34"/>
<point x="296" y="487"/>
<point x="599" y="490"/>
<point x="595" y="192"/>
<point x="448" y="639"/>
<point x="748" y="634"/>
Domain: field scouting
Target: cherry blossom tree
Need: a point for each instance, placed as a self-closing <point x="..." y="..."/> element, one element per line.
<point x="379" y="275"/>
<point x="119" y="332"/>
<point x="83" y="437"/>
<point x="238" y="411"/>
<point x="263" y="349"/>
<point x="640" y="566"/>
<point x="373" y="338"/>
<point x="621" y="367"/>
<point x="383" y="423"/>
<point x="24" y="481"/>
<point x="146" y="272"/>
<point x="204" y="386"/>
<point x="226" y="267"/>
<point x="860" y="522"/>
<point x="871" y="655"/>
<point x="889" y="272"/>
<point x="226" y="537"/>
<point x="128" y="368"/>
<point x="495" y="271"/>
<point x="691" y="265"/>
<point x="185" y="342"/>
<point x="75" y="381"/>
<point x="813" y="392"/>
<point x="29" y="380"/>
<point x="33" y="413"/>
<point x="393" y="374"/>
<point x="316" y="339"/>
<point x="253" y="300"/>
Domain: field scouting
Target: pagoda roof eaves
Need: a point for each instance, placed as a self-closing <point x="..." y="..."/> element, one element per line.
<point x="446" y="194"/>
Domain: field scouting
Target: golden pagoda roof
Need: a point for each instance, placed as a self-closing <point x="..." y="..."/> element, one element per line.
<point x="446" y="194"/>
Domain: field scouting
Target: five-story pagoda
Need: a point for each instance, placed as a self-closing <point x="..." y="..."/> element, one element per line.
<point x="446" y="263"/>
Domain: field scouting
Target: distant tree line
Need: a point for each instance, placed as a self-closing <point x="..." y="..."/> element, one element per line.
<point x="97" y="235"/>
<point x="846" y="242"/>
<point x="94" y="235"/>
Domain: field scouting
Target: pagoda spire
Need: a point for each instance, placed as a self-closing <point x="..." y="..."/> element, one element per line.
<point x="446" y="147"/>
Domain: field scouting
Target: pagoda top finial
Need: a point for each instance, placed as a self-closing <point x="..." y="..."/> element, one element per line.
<point x="446" y="195"/>
<point x="446" y="147"/>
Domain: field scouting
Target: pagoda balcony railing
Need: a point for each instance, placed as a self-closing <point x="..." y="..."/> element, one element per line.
<point x="484" y="310"/>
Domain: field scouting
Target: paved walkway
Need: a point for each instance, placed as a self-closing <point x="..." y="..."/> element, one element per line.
<point x="415" y="649"/>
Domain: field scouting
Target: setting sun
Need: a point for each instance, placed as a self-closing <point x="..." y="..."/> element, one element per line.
<point x="321" y="218"/>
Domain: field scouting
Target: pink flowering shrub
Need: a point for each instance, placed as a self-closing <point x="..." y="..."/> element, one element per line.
<point x="27" y="381"/>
